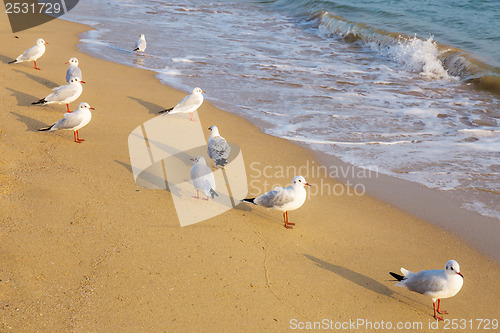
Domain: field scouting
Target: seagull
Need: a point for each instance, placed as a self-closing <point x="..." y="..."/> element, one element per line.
<point x="284" y="199"/>
<point x="218" y="149"/>
<point x="73" y="121"/>
<point x="435" y="283"/>
<point x="203" y="178"/>
<point x="73" y="70"/>
<point x="32" y="54"/>
<point x="140" y="45"/>
<point x="64" y="94"/>
<point x="188" y="104"/>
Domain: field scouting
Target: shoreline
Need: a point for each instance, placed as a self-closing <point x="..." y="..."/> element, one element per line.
<point x="85" y="249"/>
<point x="441" y="209"/>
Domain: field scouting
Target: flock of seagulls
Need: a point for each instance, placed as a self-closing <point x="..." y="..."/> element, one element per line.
<point x="64" y="94"/>
<point x="437" y="284"/>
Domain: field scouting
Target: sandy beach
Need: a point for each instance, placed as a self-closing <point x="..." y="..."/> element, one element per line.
<point x="85" y="249"/>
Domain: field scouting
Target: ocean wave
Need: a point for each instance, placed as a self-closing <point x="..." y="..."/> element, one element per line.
<point x="415" y="54"/>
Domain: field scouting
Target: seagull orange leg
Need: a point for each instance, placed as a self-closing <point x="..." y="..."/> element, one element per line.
<point x="436" y="316"/>
<point x="191" y="116"/>
<point x="78" y="137"/>
<point x="67" y="107"/>
<point x="197" y="194"/>
<point x="438" y="310"/>
<point x="288" y="225"/>
<point x="35" y="65"/>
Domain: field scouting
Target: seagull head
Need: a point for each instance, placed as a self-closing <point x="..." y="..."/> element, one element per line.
<point x="143" y="37"/>
<point x="40" y="41"/>
<point x="452" y="267"/>
<point x="72" y="61"/>
<point x="299" y="181"/>
<point x="75" y="80"/>
<point x="199" y="159"/>
<point x="214" y="130"/>
<point x="84" y="105"/>
<point x="197" y="91"/>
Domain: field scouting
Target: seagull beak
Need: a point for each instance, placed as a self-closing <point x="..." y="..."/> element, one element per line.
<point x="203" y="91"/>
<point x="82" y="82"/>
<point x="460" y="274"/>
<point x="46" y="43"/>
<point x="91" y="108"/>
<point x="67" y="62"/>
<point x="307" y="184"/>
<point x="191" y="159"/>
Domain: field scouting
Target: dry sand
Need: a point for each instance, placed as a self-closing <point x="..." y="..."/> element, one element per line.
<point x="84" y="249"/>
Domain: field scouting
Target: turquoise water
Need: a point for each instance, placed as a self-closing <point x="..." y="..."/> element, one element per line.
<point x="471" y="25"/>
<point x="386" y="85"/>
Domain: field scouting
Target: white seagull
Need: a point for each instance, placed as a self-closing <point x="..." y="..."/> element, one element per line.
<point x="218" y="148"/>
<point x="64" y="94"/>
<point x="73" y="70"/>
<point x="203" y="178"/>
<point x="140" y="45"/>
<point x="435" y="283"/>
<point x="284" y="199"/>
<point x="73" y="121"/>
<point x="32" y="54"/>
<point x="188" y="104"/>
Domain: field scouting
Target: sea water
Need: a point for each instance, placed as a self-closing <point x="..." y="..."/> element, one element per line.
<point x="409" y="88"/>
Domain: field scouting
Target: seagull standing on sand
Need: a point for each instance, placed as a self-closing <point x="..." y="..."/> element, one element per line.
<point x="64" y="94"/>
<point x="435" y="283"/>
<point x="284" y="199"/>
<point x="73" y="70"/>
<point x="188" y="104"/>
<point x="203" y="178"/>
<point x="73" y="121"/>
<point x="140" y="45"/>
<point x="218" y="149"/>
<point x="32" y="54"/>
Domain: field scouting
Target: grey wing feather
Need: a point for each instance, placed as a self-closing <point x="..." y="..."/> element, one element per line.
<point x="140" y="44"/>
<point x="425" y="282"/>
<point x="203" y="178"/>
<point x="218" y="148"/>
<point x="62" y="93"/>
<point x="68" y="122"/>
<point x="274" y="198"/>
<point x="29" y="53"/>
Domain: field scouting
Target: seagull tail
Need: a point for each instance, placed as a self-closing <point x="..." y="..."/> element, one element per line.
<point x="48" y="128"/>
<point x="136" y="49"/>
<point x="213" y="193"/>
<point x="221" y="162"/>
<point x="42" y="101"/>
<point x="397" y="276"/>
<point x="249" y="200"/>
<point x="13" y="61"/>
<point x="166" y="110"/>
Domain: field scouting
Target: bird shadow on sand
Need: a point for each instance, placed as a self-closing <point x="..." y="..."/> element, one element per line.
<point x="152" y="108"/>
<point x="43" y="81"/>
<point x="5" y="59"/>
<point x="355" y="277"/>
<point x="23" y="99"/>
<point x="32" y="124"/>
<point x="151" y="180"/>
<point x="367" y="282"/>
